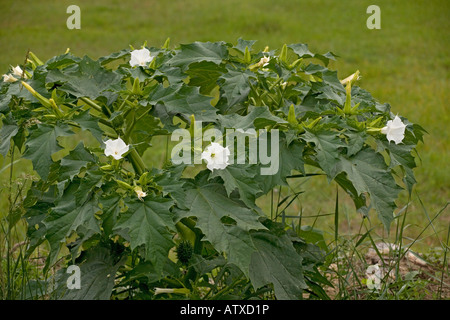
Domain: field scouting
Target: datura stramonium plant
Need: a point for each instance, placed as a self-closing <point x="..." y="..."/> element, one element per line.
<point x="99" y="202"/>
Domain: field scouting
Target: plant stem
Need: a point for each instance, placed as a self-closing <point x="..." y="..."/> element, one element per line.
<point x="444" y="264"/>
<point x="92" y="104"/>
<point x="137" y="161"/>
<point x="8" y="236"/>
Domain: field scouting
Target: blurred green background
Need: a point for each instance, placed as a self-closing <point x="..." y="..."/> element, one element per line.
<point x="405" y="63"/>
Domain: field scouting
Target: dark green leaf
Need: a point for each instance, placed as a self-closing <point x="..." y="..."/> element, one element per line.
<point x="327" y="148"/>
<point x="225" y="222"/>
<point x="41" y="144"/>
<point x="67" y="217"/>
<point x="204" y="75"/>
<point x="197" y="52"/>
<point x="240" y="177"/>
<point x="368" y="172"/>
<point x="400" y="155"/>
<point x="97" y="276"/>
<point x="149" y="223"/>
<point x="236" y="86"/>
<point x="257" y="118"/>
<point x="90" y="123"/>
<point x="88" y="79"/>
<point x="276" y="262"/>
<point x="72" y="163"/>
<point x="290" y="158"/>
<point x="184" y="100"/>
<point x="7" y="132"/>
<point x="244" y="43"/>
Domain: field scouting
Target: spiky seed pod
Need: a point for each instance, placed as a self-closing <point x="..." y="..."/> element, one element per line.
<point x="184" y="252"/>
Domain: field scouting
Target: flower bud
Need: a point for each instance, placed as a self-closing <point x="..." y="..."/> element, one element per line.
<point x="283" y="54"/>
<point x="247" y="55"/>
<point x="124" y="185"/>
<point x="166" y="44"/>
<point x="136" y="87"/>
<point x="140" y="194"/>
<point x="44" y="101"/>
<point x="291" y="116"/>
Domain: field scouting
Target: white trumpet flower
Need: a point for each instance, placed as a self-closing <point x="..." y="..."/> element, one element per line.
<point x="394" y="130"/>
<point x="116" y="148"/>
<point x="216" y="156"/>
<point x="140" y="57"/>
<point x="9" y="78"/>
<point x="17" y="71"/>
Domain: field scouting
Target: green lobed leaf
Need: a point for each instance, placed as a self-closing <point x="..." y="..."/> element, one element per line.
<point x="90" y="123"/>
<point x="184" y="100"/>
<point x="111" y="209"/>
<point x="61" y="61"/>
<point x="369" y="173"/>
<point x="76" y="159"/>
<point x="172" y="184"/>
<point x="236" y="85"/>
<point x="97" y="276"/>
<point x="204" y="75"/>
<point x="197" y="52"/>
<point x="148" y="223"/>
<point x="87" y="79"/>
<point x="67" y="217"/>
<point x="327" y="146"/>
<point x="276" y="262"/>
<point x="7" y="132"/>
<point x="41" y="144"/>
<point x="241" y="178"/>
<point x="114" y="56"/>
<point x="92" y="179"/>
<point x="290" y="158"/>
<point x="257" y="118"/>
<point x="225" y="222"/>
<point x="302" y="51"/>
<point x="244" y="43"/>
<point x="400" y="155"/>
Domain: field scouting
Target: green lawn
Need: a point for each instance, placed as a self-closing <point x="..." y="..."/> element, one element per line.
<point x="406" y="63"/>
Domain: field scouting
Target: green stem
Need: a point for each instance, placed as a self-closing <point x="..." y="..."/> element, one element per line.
<point x="92" y="104"/>
<point x="198" y="245"/>
<point x="123" y="103"/>
<point x="227" y="288"/>
<point x="167" y="148"/>
<point x="137" y="161"/>
<point x="8" y="247"/>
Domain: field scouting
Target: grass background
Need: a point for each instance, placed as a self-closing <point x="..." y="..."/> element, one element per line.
<point x="405" y="63"/>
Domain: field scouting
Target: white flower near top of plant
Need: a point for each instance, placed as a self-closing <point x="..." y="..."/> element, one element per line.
<point x="394" y="130"/>
<point x="9" y="78"/>
<point x="264" y="61"/>
<point x="116" y="148"/>
<point x="140" y="57"/>
<point x="216" y="156"/>
<point x="373" y="273"/>
<point x="140" y="194"/>
<point x="17" y="71"/>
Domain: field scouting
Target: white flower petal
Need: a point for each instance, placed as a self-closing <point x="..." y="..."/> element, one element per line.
<point x="116" y="148"/>
<point x="17" y="71"/>
<point x="140" y="57"/>
<point x="124" y="149"/>
<point x="394" y="130"/>
<point x="216" y="156"/>
<point x="9" y="78"/>
<point x="116" y="156"/>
